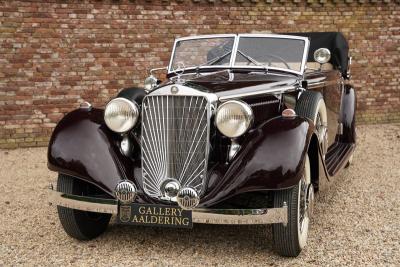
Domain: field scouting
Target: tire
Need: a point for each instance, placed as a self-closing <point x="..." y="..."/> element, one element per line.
<point x="311" y="105"/>
<point x="82" y="225"/>
<point x="289" y="240"/>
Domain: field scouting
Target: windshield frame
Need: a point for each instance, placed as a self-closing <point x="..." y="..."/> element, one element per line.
<point x="235" y="48"/>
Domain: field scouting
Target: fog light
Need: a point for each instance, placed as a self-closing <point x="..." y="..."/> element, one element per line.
<point x="125" y="191"/>
<point x="126" y="146"/>
<point x="187" y="198"/>
<point x="170" y="188"/>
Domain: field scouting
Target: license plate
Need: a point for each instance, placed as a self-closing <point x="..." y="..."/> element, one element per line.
<point x="154" y="215"/>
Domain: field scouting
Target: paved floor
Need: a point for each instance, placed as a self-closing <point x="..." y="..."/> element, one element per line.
<point x="357" y="221"/>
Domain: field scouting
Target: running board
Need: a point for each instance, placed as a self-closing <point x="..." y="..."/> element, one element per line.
<point x="337" y="156"/>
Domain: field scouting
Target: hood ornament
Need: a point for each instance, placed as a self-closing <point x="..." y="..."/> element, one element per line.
<point x="179" y="70"/>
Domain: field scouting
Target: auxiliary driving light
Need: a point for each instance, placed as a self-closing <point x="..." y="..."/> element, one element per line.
<point x="187" y="198"/>
<point x="125" y="191"/>
<point x="170" y="188"/>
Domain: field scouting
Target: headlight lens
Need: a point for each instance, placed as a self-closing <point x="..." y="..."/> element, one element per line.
<point x="322" y="55"/>
<point x="121" y="115"/>
<point x="233" y="118"/>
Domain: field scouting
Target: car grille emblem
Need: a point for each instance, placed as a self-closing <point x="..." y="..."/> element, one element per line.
<point x="174" y="90"/>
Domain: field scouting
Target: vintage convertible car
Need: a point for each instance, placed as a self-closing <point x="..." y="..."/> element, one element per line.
<point x="244" y="129"/>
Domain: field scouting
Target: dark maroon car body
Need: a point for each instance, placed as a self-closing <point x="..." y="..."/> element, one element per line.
<point x="272" y="151"/>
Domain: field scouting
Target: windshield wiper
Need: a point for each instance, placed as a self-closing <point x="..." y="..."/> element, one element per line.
<point x="252" y="60"/>
<point x="216" y="59"/>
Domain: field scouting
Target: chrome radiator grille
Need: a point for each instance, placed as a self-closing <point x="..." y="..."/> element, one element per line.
<point x="175" y="132"/>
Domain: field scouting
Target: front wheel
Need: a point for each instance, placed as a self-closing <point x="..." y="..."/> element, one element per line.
<point x="82" y="225"/>
<point x="290" y="239"/>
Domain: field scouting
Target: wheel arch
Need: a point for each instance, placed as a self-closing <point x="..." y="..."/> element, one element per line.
<point x="313" y="154"/>
<point x="82" y="146"/>
<point x="271" y="158"/>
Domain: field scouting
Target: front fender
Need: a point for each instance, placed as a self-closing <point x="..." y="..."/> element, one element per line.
<point x="82" y="146"/>
<point x="272" y="157"/>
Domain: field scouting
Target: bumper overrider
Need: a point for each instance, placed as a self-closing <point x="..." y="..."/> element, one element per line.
<point x="199" y="215"/>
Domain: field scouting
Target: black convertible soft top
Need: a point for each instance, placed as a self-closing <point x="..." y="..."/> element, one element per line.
<point x="334" y="41"/>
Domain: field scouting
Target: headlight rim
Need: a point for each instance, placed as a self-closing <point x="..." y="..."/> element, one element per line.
<point x="247" y="108"/>
<point x="134" y="107"/>
<point x="326" y="54"/>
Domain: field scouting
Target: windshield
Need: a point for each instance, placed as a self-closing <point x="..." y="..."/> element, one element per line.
<point x="203" y="52"/>
<point x="240" y="51"/>
<point x="280" y="53"/>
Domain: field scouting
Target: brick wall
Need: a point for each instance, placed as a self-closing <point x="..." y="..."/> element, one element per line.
<point x="56" y="54"/>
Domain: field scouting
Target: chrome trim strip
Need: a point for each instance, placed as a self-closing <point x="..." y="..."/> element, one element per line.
<point x="241" y="216"/>
<point x="234" y="51"/>
<point x="194" y="37"/>
<point x="278" y="90"/>
<point x="200" y="215"/>
<point x="83" y="203"/>
<point x="262" y="103"/>
<point x="85" y="105"/>
<point x="183" y="91"/>
<point x="315" y="85"/>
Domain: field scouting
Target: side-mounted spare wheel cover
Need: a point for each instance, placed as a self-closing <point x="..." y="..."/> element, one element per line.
<point x="311" y="105"/>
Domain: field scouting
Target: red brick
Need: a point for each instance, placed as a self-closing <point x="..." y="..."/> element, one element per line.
<point x="56" y="54"/>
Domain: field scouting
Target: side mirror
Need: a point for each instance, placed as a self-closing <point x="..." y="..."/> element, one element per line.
<point x="322" y="55"/>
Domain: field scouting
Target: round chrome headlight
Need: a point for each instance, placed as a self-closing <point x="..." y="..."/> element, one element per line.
<point x="322" y="55"/>
<point x="121" y="115"/>
<point x="233" y="118"/>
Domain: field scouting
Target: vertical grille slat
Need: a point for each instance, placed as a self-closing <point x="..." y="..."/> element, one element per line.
<point x="175" y="132"/>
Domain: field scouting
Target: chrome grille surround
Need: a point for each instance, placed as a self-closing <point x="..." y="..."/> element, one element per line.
<point x="175" y="138"/>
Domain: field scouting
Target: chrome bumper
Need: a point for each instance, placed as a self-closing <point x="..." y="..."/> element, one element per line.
<point x="200" y="215"/>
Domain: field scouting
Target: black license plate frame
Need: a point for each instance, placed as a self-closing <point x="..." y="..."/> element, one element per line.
<point x="154" y="215"/>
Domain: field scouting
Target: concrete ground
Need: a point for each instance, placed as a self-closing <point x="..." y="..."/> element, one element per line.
<point x="356" y="222"/>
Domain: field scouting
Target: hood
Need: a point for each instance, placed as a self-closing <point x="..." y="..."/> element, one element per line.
<point x="223" y="81"/>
